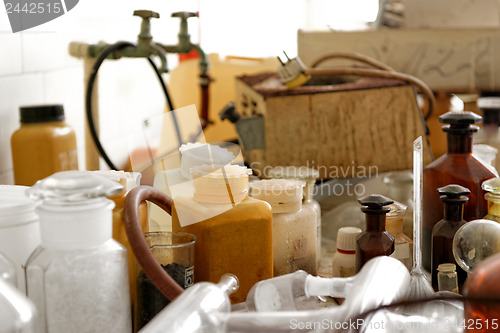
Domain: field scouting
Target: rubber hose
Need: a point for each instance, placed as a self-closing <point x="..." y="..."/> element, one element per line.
<point x="160" y="278"/>
<point x="88" y="98"/>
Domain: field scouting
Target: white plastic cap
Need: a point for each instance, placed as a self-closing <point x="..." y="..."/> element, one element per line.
<point x="199" y="154"/>
<point x="15" y="206"/>
<point x="346" y="238"/>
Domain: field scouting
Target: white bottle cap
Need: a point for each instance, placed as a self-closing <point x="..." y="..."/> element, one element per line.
<point x="346" y="238"/>
<point x="285" y="196"/>
<point x="199" y="154"/>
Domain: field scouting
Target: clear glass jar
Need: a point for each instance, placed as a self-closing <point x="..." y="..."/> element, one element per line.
<point x="492" y="186"/>
<point x="17" y="313"/>
<point x="309" y="176"/>
<point x="175" y="253"/>
<point x="294" y="225"/>
<point x="489" y="134"/>
<point x="7" y="270"/>
<point x="234" y="232"/>
<point x="394" y="224"/>
<point x="78" y="277"/>
<point x="447" y="278"/>
<point x="19" y="228"/>
<point x="344" y="260"/>
<point x="43" y="145"/>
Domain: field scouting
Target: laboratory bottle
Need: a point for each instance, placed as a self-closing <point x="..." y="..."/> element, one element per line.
<point x="19" y="228"/>
<point x="294" y="225"/>
<point x="403" y="245"/>
<point x="400" y="189"/>
<point x="457" y="166"/>
<point x="492" y="187"/>
<point x="192" y="311"/>
<point x="233" y="231"/>
<point x="374" y="241"/>
<point x="44" y="144"/>
<point x="489" y="134"/>
<point x="7" y="270"/>
<point x="483" y="283"/>
<point x="78" y="277"/>
<point x="309" y="176"/>
<point x="454" y="199"/>
<point x="344" y="260"/>
<point x="447" y="277"/>
<point x="17" y="313"/>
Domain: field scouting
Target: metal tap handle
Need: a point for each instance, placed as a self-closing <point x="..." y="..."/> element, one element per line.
<point x="146" y="14"/>
<point x="184" y="15"/>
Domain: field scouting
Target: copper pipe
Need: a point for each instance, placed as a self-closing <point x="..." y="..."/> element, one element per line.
<point x="160" y="278"/>
<point x="353" y="56"/>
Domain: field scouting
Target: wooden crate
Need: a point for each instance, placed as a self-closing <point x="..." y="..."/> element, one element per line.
<point x="348" y="130"/>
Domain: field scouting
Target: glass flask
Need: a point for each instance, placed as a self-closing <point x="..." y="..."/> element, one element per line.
<point x="234" y="232"/>
<point x="453" y="197"/>
<point x="447" y="278"/>
<point x="294" y="225"/>
<point x="492" y="186"/>
<point x="483" y="316"/>
<point x="344" y="260"/>
<point x="374" y="241"/>
<point x="78" y="277"/>
<point x="457" y="166"/>
<point x="394" y="224"/>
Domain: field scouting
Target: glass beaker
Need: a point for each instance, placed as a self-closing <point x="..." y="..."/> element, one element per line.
<point x="174" y="251"/>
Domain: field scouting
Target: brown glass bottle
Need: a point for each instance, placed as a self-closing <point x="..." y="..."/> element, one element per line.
<point x="457" y="166"/>
<point x="453" y="197"/>
<point x="483" y="282"/>
<point x="375" y="241"/>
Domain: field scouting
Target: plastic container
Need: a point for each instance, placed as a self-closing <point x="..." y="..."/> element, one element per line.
<point x="78" y="277"/>
<point x="234" y="232"/>
<point x="17" y="313"/>
<point x="43" y="145"/>
<point x="394" y="224"/>
<point x="309" y="176"/>
<point x="447" y="278"/>
<point x="374" y="241"/>
<point x="457" y="166"/>
<point x="454" y="199"/>
<point x="19" y="228"/>
<point x="344" y="260"/>
<point x="294" y="225"/>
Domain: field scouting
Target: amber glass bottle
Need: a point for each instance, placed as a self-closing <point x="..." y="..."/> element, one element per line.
<point x="453" y="197"/>
<point x="457" y="166"/>
<point x="375" y="241"/>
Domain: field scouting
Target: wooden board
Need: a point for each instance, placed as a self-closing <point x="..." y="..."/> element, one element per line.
<point x="354" y="133"/>
<point x="455" y="60"/>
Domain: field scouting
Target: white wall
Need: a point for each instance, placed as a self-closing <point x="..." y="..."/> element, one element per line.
<point x="35" y="67"/>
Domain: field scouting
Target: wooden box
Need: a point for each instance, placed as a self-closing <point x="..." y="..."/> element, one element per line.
<point x="355" y="129"/>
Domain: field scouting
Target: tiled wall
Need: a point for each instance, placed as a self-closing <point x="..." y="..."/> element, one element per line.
<point x="35" y="67"/>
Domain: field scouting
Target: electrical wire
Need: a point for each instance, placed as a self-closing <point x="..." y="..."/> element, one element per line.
<point x="88" y="98"/>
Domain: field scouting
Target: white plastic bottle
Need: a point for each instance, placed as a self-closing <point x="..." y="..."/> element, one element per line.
<point x="78" y="277"/>
<point x="344" y="260"/>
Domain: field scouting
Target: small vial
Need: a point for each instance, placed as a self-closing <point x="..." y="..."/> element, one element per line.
<point x="344" y="260"/>
<point x="447" y="278"/>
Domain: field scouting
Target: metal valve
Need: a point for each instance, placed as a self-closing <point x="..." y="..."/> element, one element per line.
<point x="146" y="14"/>
<point x="184" y="15"/>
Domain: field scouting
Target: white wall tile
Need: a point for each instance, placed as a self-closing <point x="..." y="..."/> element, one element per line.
<point x="6" y="178"/>
<point x="15" y="92"/>
<point x="11" y="58"/>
